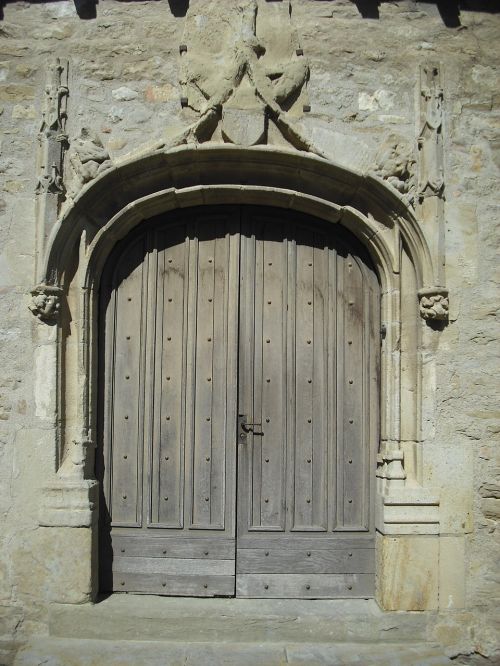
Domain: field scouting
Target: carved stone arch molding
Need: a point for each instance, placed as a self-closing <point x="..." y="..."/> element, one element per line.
<point x="126" y="195"/>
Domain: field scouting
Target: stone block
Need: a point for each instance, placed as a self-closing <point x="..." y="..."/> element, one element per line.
<point x="407" y="572"/>
<point x="452" y="572"/>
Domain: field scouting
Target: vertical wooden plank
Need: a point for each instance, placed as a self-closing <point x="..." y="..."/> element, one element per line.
<point x="203" y="341"/>
<point x="167" y="470"/>
<point x="127" y="419"/>
<point x="192" y="299"/>
<point x="271" y="407"/>
<point x="332" y="360"/>
<point x="255" y="413"/>
<point x="304" y="351"/>
<point x="320" y="307"/>
<point x="354" y="411"/>
<point x="216" y="460"/>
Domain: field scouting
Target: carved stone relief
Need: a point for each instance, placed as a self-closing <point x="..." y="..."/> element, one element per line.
<point x="87" y="158"/>
<point x="52" y="145"/>
<point x="242" y="73"/>
<point x="434" y="303"/>
<point x="430" y="139"/>
<point x="395" y="163"/>
<point x="46" y="302"/>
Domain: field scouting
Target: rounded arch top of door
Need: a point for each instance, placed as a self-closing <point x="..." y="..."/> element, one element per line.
<point x="238" y="407"/>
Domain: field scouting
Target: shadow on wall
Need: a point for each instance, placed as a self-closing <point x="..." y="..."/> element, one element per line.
<point x="449" y="10"/>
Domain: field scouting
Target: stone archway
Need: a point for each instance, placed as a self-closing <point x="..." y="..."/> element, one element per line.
<point x="123" y="197"/>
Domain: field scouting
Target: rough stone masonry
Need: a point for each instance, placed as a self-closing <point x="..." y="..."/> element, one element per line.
<point x="402" y="96"/>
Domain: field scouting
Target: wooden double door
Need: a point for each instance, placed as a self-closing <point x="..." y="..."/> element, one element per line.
<point x="238" y="407"/>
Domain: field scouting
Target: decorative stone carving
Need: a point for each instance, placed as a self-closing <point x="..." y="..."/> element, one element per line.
<point x="52" y="145"/>
<point x="242" y="72"/>
<point x="50" y="181"/>
<point x="46" y="302"/>
<point x="395" y="163"/>
<point x="430" y="140"/>
<point x="434" y="303"/>
<point x="87" y="159"/>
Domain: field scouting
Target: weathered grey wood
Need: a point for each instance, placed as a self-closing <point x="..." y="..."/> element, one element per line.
<point x="305" y="586"/>
<point x="172" y="585"/>
<point x="148" y="546"/>
<point x="279" y="560"/>
<point x="168" y="565"/>
<point x="304" y="540"/>
<point x="123" y="445"/>
<point x="166" y="489"/>
<point x="302" y="367"/>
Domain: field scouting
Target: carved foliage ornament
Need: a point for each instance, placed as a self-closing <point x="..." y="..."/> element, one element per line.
<point x="434" y="304"/>
<point x="46" y="302"/>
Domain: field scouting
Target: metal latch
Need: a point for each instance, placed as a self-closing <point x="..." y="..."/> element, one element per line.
<point x="246" y="428"/>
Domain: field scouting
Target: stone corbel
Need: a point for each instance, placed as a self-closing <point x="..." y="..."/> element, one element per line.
<point x="46" y="302"/>
<point x="434" y="304"/>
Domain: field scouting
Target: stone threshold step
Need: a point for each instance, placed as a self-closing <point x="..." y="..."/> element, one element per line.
<point x="122" y="617"/>
<point x="75" y="652"/>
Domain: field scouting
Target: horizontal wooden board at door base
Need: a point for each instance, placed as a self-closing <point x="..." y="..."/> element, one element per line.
<point x="167" y="565"/>
<point x="305" y="586"/>
<point x="174" y="547"/>
<point x="307" y="541"/>
<point x="262" y="560"/>
<point x="184" y="586"/>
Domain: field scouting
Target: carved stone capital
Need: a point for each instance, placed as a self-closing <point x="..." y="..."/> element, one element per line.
<point x="46" y="302"/>
<point x="434" y="303"/>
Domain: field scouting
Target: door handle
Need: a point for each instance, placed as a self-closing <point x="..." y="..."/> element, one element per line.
<point x="247" y="428"/>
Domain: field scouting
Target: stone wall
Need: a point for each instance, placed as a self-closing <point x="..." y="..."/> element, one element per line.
<point x="361" y="107"/>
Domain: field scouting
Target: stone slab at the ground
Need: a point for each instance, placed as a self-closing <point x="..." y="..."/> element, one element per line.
<point x="74" y="652"/>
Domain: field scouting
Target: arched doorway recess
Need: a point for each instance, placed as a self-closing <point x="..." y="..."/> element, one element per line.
<point x="238" y="425"/>
<point x="120" y="200"/>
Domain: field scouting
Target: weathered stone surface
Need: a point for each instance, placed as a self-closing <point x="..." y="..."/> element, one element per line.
<point x="359" y="102"/>
<point x="91" y="653"/>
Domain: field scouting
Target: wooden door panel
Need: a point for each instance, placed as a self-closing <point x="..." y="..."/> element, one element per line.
<point x="167" y="486"/>
<point x="305" y="586"/>
<point x="310" y="384"/>
<point x="212" y="313"/>
<point x="124" y="407"/>
<point x="177" y="585"/>
<point x="187" y="277"/>
<point x="160" y="546"/>
<point x="313" y="560"/>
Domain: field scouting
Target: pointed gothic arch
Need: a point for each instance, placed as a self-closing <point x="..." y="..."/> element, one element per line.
<point x="123" y="197"/>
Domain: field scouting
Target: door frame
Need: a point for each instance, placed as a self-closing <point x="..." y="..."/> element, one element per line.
<point x="112" y="205"/>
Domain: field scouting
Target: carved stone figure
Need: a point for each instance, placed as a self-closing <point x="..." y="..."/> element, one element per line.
<point x="87" y="159"/>
<point x="54" y="114"/>
<point x="46" y="302"/>
<point x="239" y="74"/>
<point x="430" y="140"/>
<point x="434" y="303"/>
<point x="395" y="163"/>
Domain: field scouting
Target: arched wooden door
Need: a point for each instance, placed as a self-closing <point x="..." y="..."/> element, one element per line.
<point x="238" y="407"/>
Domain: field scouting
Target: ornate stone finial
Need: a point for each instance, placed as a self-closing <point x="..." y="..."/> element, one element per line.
<point x="434" y="303"/>
<point x="46" y="302"/>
